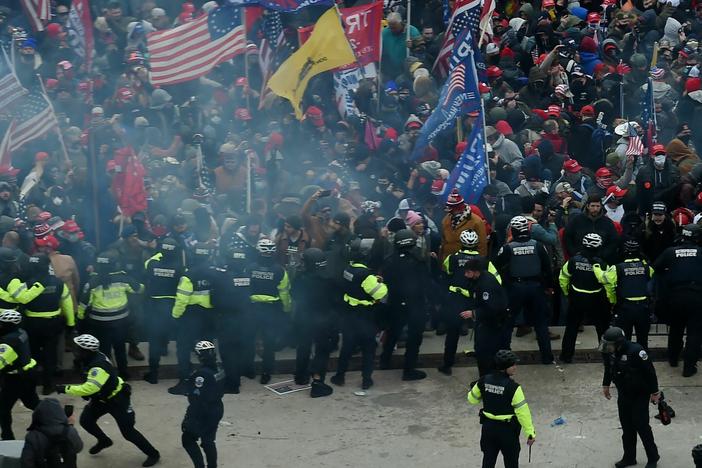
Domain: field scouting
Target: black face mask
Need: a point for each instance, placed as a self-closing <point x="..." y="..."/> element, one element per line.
<point x="684" y="138"/>
<point x="520" y="35"/>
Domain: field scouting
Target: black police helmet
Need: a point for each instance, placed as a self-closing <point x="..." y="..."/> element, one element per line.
<point x="614" y="335"/>
<point x="505" y="359"/>
<point x="355" y="250"/>
<point x="405" y="238"/>
<point x="106" y="260"/>
<point x="39" y="263"/>
<point x="7" y="256"/>
<point x="631" y="246"/>
<point x="202" y="252"/>
<point x="169" y="246"/>
<point x="697" y="453"/>
<point x="314" y="259"/>
<point x="691" y="232"/>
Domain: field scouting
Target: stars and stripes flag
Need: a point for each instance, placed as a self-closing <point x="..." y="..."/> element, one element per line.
<point x="459" y="95"/>
<point x="648" y="115"/>
<point x="273" y="51"/>
<point x="38" y="12"/>
<point x="32" y="118"/>
<point x="466" y="15"/>
<point x="486" y="21"/>
<point x="635" y="146"/>
<point x="10" y="88"/>
<point x="193" y="49"/>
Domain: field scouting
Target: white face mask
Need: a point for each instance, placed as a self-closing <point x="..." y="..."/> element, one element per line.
<point x="57" y="201"/>
<point x="659" y="161"/>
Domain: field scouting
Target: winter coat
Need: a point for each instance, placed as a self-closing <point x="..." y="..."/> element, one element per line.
<point x="50" y="438"/>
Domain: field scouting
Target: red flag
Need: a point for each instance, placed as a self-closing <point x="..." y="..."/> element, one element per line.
<point x="128" y="183"/>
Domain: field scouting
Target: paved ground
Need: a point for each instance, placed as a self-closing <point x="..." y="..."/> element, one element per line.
<point x="404" y="424"/>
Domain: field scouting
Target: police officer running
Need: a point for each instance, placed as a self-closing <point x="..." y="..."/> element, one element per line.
<point x="313" y="297"/>
<point x="205" y="408"/>
<point x="45" y="317"/>
<point x="16" y="370"/>
<point x="490" y="313"/>
<point x="192" y="311"/>
<point x="525" y="265"/>
<point x="231" y="300"/>
<point x="104" y="305"/>
<point x="270" y="301"/>
<point x="627" y="287"/>
<point x="162" y="273"/>
<point x="628" y="365"/>
<point x="680" y="269"/>
<point x="107" y="394"/>
<point x="586" y="296"/>
<point x="406" y="278"/>
<point x="505" y="412"/>
<point x="458" y="297"/>
<point x="362" y="290"/>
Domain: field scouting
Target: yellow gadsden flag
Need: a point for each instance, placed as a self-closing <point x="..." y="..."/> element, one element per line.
<point x="327" y="48"/>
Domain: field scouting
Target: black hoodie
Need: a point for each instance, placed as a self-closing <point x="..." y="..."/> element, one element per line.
<point x="50" y="441"/>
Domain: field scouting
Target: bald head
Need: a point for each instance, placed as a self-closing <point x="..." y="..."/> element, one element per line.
<point x="395" y="22"/>
<point x="11" y="240"/>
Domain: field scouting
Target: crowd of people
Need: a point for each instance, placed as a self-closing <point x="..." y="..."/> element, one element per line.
<point x="206" y="211"/>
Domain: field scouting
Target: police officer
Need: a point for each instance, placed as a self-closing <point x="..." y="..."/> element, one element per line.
<point x="192" y="310"/>
<point x="505" y="412"/>
<point x="162" y="273"/>
<point x="628" y="365"/>
<point x="16" y="375"/>
<point x="45" y="317"/>
<point x="697" y="455"/>
<point x="270" y="301"/>
<point x="313" y="294"/>
<point x="205" y="408"/>
<point x="362" y="290"/>
<point x="627" y="287"/>
<point x="586" y="296"/>
<point x="525" y="265"/>
<point x="680" y="269"/>
<point x="14" y="291"/>
<point x="490" y="313"/>
<point x="107" y="394"/>
<point x="406" y="279"/>
<point x="231" y="300"/>
<point x="457" y="298"/>
<point x="104" y="304"/>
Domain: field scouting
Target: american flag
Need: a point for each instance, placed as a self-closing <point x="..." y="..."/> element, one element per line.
<point x="486" y="21"/>
<point x="193" y="49"/>
<point x="38" y="12"/>
<point x="274" y="50"/>
<point x="636" y="146"/>
<point x="10" y="88"/>
<point x="648" y="116"/>
<point x="467" y="14"/>
<point x="33" y="117"/>
<point x="5" y="153"/>
<point x="456" y="82"/>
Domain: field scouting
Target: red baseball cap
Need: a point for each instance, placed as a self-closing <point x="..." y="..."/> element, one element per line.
<point x="658" y="149"/>
<point x="588" y="111"/>
<point x="572" y="166"/>
<point x="618" y="192"/>
<point x="553" y="111"/>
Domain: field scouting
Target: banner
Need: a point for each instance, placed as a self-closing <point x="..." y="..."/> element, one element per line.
<point x="459" y="94"/>
<point x="346" y="81"/>
<point x="469" y="176"/>
<point x="282" y="5"/>
<point x="80" y="31"/>
<point x="326" y="49"/>
<point x="362" y="28"/>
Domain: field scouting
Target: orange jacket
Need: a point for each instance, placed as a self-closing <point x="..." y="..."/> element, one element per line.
<point x="450" y="242"/>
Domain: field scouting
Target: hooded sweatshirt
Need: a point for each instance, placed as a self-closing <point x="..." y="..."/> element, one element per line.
<point x="50" y="437"/>
<point x="670" y="32"/>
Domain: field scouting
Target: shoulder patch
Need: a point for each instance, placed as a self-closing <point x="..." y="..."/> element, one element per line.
<point x="199" y="381"/>
<point x="94" y="372"/>
<point x="643" y="355"/>
<point x="486" y="295"/>
<point x="3" y="348"/>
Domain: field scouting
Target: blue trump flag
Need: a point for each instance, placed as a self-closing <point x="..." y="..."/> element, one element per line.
<point x="282" y="5"/>
<point x="458" y="96"/>
<point x="469" y="176"/>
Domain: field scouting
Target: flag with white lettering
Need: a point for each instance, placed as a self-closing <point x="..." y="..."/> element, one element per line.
<point x="458" y="96"/>
<point x="469" y="176"/>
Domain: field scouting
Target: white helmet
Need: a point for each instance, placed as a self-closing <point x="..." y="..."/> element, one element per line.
<point x="468" y="238"/>
<point x="592" y="241"/>
<point x="88" y="342"/>
<point x="265" y="246"/>
<point x="204" y="346"/>
<point x="519" y="223"/>
<point x="10" y="316"/>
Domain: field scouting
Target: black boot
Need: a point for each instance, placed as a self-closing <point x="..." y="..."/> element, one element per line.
<point x="100" y="446"/>
<point x="339" y="380"/>
<point x="446" y="370"/>
<point x="302" y="379"/>
<point x="367" y="383"/>
<point x="624" y="463"/>
<point x="151" y="377"/>
<point x="320" y="389"/>
<point x="265" y="378"/>
<point x="413" y="374"/>
<point x="152" y="459"/>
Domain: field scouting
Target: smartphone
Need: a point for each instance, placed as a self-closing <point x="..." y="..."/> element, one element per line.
<point x="68" y="409"/>
<point x="324" y="193"/>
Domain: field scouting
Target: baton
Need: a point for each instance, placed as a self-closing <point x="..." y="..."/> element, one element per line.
<point x="530" y="454"/>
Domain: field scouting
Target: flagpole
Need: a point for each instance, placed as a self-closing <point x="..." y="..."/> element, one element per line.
<point x="246" y="59"/>
<point x="408" y="25"/>
<point x="358" y="63"/>
<point x="58" y="128"/>
<point x="482" y="116"/>
<point x="380" y="66"/>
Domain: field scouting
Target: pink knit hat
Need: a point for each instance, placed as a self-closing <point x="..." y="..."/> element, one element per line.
<point x="413" y="218"/>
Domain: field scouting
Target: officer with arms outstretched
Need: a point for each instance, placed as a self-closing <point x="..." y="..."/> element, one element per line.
<point x="505" y="412"/>
<point x="627" y="365"/>
<point x="108" y="394"/>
